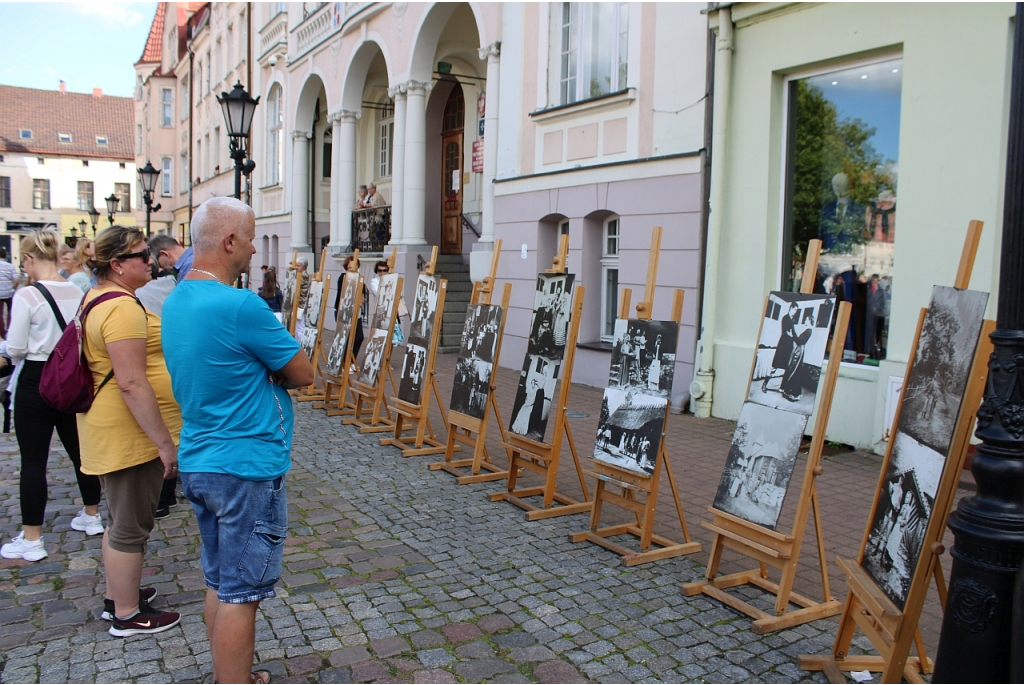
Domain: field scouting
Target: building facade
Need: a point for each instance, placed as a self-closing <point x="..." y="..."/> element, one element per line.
<point x="62" y="154"/>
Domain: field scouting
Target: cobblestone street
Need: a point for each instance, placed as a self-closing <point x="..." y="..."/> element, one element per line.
<point x="393" y="573"/>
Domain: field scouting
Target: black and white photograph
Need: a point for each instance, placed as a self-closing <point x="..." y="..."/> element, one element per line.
<point x="942" y="366"/>
<point x="534" y="397"/>
<point x="790" y="352"/>
<point x="552" y="309"/>
<point x="414" y="367"/>
<point x="423" y="309"/>
<point x="471" y="385"/>
<point x="629" y="429"/>
<point x="335" y="356"/>
<point x="316" y="296"/>
<point x="288" y="300"/>
<point x="901" y="516"/>
<point x="385" y="303"/>
<point x="760" y="464"/>
<point x="373" y="355"/>
<point x="644" y="356"/>
<point x="308" y="342"/>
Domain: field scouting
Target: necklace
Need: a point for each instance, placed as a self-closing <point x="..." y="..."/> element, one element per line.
<point x="214" y="277"/>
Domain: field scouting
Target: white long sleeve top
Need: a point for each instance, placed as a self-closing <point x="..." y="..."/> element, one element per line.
<point x="34" y="330"/>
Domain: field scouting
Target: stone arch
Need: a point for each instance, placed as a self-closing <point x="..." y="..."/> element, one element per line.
<point x="428" y="34"/>
<point x="357" y="68"/>
<point x="310" y="91"/>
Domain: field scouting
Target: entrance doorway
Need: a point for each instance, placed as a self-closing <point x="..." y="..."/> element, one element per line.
<point x="451" y="172"/>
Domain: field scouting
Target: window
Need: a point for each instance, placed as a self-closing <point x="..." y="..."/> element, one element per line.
<point x="85" y="162"/>
<point x="138" y="139"/>
<point x="25" y="134"/>
<point x="121" y="165"/>
<point x="609" y="278"/>
<point x="185" y="180"/>
<point x="219" y="56"/>
<point x="563" y="229"/>
<point x="593" y="49"/>
<point x="123" y="191"/>
<point x="328" y="151"/>
<point x="207" y="167"/>
<point x="230" y="46"/>
<point x="166" y="107"/>
<point x="138" y="87"/>
<point x="40" y="160"/>
<point x="209" y="68"/>
<point x="102" y="140"/>
<point x="387" y="138"/>
<point x="275" y="132"/>
<point x="5" y="191"/>
<point x="85" y="196"/>
<point x="216" y="150"/>
<point x="64" y="137"/>
<point x="40" y="193"/>
<point x="841" y="168"/>
<point x="166" y="178"/>
<point x="183" y="96"/>
<point x="199" y="160"/>
<point x="199" y="75"/>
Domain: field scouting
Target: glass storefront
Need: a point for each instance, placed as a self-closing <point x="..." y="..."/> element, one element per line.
<point x="842" y="167"/>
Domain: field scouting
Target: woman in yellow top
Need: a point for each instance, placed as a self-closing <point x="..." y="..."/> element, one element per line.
<point x="129" y="437"/>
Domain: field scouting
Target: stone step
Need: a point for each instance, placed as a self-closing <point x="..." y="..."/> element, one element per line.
<point x="459" y="287"/>
<point x="450" y="259"/>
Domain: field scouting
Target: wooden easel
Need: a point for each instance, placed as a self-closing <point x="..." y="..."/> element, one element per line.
<point x="335" y="400"/>
<point x="290" y="322"/>
<point x="893" y="631"/>
<point x="542" y="458"/>
<point x="470" y="431"/>
<point x="371" y="397"/>
<point x="417" y="414"/>
<point x="770" y="547"/>
<point x="633" y="483"/>
<point x="315" y="391"/>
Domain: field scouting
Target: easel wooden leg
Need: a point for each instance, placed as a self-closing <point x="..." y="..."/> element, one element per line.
<point x="576" y="461"/>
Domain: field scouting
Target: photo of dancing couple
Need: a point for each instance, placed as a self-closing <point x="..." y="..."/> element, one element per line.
<point x="473" y="369"/>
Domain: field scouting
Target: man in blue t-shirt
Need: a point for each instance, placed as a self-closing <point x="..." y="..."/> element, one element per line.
<point x="230" y="374"/>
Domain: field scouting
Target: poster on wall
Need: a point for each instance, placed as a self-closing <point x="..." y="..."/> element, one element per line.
<point x="791" y="350"/>
<point x="545" y="351"/>
<point x="346" y="315"/>
<point x="932" y="398"/>
<point x="635" y="403"/>
<point x="473" y="369"/>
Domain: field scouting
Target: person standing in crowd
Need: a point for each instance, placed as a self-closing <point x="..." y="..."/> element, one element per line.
<point x="73" y="268"/>
<point x="271" y="294"/>
<point x="130" y="433"/>
<point x="302" y="266"/>
<point x="235" y="445"/>
<point x="8" y="284"/>
<point x="84" y="251"/>
<point x="39" y="316"/>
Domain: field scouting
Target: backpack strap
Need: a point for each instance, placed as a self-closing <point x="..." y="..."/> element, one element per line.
<point x="53" y="305"/>
<point x="87" y="308"/>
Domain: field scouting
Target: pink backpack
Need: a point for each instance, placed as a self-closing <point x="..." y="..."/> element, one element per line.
<point x="66" y="383"/>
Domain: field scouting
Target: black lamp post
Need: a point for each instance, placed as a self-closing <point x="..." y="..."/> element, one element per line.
<point x="94" y="217"/>
<point x="976" y="644"/>
<point x="238" y="107"/>
<point x="112" y="203"/>
<point x="147" y="177"/>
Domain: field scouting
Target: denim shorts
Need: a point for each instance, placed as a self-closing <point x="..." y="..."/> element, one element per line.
<point x="243" y="525"/>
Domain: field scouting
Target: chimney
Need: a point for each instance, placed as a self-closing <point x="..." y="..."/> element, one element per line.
<point x="97" y="92"/>
<point x="63" y="86"/>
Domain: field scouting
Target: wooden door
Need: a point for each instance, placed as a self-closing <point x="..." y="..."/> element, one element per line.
<point x="451" y="173"/>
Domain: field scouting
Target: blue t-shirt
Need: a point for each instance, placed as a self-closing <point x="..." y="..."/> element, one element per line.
<point x="184" y="264"/>
<point x="221" y="344"/>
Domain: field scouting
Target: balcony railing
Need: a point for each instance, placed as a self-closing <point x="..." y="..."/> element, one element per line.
<point x="323" y="23"/>
<point x="274" y="34"/>
<point x="371" y="229"/>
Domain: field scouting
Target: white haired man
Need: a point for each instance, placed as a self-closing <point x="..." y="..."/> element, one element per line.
<point x="230" y="377"/>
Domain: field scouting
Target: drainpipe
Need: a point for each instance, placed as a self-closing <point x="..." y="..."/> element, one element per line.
<point x="701" y="387"/>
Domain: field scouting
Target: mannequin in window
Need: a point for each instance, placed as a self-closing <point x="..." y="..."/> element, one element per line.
<point x="841" y="222"/>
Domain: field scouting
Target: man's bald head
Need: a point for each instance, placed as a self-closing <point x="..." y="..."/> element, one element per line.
<point x="215" y="219"/>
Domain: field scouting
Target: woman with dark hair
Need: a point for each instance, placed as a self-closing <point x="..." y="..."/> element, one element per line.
<point x="270" y="293"/>
<point x="38" y="317"/>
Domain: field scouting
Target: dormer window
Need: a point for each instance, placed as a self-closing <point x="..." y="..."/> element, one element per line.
<point x="25" y="134"/>
<point x="101" y="140"/>
<point x="64" y="137"/>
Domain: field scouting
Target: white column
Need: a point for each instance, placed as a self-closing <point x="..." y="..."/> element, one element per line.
<point x="346" y="142"/>
<point x="338" y="227"/>
<point x="413" y="232"/>
<point x="300" y="191"/>
<point x="398" y="166"/>
<point x="492" y="54"/>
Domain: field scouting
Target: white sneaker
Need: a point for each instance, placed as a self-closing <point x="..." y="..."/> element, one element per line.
<point x="20" y="548"/>
<point x="90" y="525"/>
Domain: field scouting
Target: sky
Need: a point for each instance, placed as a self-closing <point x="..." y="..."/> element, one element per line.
<point x="87" y="44"/>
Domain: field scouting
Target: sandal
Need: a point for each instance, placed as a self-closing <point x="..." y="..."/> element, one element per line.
<point x="259" y="677"/>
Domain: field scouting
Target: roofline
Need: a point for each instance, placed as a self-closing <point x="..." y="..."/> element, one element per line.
<point x="66" y="154"/>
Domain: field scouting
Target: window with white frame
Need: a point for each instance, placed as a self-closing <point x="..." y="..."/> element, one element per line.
<point x="5" y="191"/>
<point x="183" y="165"/>
<point x="166" y="177"/>
<point x="209" y="68"/>
<point x="593" y="48"/>
<point x="275" y="133"/>
<point x="138" y="87"/>
<point x="609" y="277"/>
<point x="85" y="196"/>
<point x="386" y="138"/>
<point x="166" y="107"/>
<point x="123" y="191"/>
<point x="40" y="193"/>
<point x="216" y="150"/>
<point x="183" y="107"/>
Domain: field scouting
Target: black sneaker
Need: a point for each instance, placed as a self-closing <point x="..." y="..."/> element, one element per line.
<point x="146" y="596"/>
<point x="145" y="622"/>
<point x="162" y="512"/>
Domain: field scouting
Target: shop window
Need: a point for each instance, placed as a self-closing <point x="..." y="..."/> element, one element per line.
<point x="275" y="131"/>
<point x="609" y="278"/>
<point x="85" y="196"/>
<point x="123" y="191"/>
<point x="40" y="193"/>
<point x="5" y="191"/>
<point x="593" y="44"/>
<point x="842" y="169"/>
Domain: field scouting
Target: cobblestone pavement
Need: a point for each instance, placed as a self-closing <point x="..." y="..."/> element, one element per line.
<point x="393" y="573"/>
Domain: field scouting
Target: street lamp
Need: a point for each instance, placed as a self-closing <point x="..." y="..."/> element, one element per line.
<point x="238" y="107"/>
<point x="94" y="216"/>
<point x="112" y="203"/>
<point x="147" y="177"/>
<point x="81" y="228"/>
<point x="981" y="635"/>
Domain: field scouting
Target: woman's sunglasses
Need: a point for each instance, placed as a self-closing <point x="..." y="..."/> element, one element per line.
<point x="144" y="254"/>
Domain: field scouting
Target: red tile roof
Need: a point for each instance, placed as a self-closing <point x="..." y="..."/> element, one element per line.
<point x="155" y="41"/>
<point x="48" y="113"/>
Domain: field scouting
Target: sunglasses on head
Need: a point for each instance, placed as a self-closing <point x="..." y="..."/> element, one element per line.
<point x="144" y="254"/>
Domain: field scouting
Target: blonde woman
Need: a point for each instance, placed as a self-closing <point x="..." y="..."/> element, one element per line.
<point x="73" y="268"/>
<point x="38" y="316"/>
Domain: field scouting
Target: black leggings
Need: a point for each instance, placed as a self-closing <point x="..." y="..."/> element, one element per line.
<point x="34" y="421"/>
